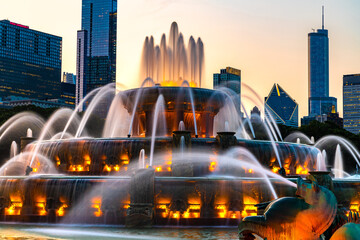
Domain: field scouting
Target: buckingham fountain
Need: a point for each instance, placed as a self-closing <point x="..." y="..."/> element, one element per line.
<point x="172" y="153"/>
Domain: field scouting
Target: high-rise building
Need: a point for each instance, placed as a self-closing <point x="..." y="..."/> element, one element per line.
<point x="229" y="78"/>
<point x="69" y="78"/>
<point x="81" y="67"/>
<point x="318" y="50"/>
<point x="30" y="62"/>
<point x="96" y="46"/>
<point x="282" y="107"/>
<point x="351" y="101"/>
<point x="68" y="94"/>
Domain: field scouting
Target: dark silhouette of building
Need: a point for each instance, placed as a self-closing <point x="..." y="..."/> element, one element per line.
<point x="30" y="62"/>
<point x="68" y="94"/>
<point x="351" y="101"/>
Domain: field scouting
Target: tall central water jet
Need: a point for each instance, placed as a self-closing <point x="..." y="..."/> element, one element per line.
<point x="172" y="62"/>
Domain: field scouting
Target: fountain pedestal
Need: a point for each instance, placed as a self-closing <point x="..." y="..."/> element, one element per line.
<point x="182" y="168"/>
<point x="226" y="139"/>
<point x="141" y="210"/>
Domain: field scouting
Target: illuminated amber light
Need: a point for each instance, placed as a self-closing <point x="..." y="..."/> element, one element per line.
<point x="212" y="166"/>
<point x="158" y="169"/>
<point x="116" y="168"/>
<point x="250" y="170"/>
<point x="163" y="209"/>
<point x="61" y="211"/>
<point x="275" y="169"/>
<point x="15" y="206"/>
<point x="107" y="168"/>
<point x="221" y="210"/>
<point x="96" y="204"/>
<point x="301" y="170"/>
<point x="176" y="214"/>
<point x="41" y="206"/>
<point x="249" y="207"/>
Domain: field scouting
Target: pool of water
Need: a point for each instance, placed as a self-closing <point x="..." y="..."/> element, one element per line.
<point x="79" y="232"/>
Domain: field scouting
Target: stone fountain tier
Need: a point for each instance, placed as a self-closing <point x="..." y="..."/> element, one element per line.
<point x="87" y="156"/>
<point x="161" y="200"/>
<point x="178" y="107"/>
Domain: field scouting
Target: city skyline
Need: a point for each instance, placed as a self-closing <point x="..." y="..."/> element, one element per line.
<point x="268" y="46"/>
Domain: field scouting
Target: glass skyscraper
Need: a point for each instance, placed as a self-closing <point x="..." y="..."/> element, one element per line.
<point x="282" y="107"/>
<point x="229" y="78"/>
<point x="318" y="50"/>
<point x="96" y="46"/>
<point x="30" y="62"/>
<point x="351" y="101"/>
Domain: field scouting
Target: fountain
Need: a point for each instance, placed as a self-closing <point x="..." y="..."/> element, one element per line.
<point x="169" y="153"/>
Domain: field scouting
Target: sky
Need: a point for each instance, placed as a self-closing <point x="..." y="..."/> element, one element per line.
<point x="266" y="39"/>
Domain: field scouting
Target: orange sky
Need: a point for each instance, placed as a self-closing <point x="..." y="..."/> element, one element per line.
<point x="266" y="39"/>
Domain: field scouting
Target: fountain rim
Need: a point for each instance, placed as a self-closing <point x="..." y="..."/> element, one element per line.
<point x="125" y="138"/>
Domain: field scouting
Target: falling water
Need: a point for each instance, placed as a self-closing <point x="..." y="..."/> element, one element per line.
<point x="312" y="139"/>
<point x="272" y="141"/>
<point x="137" y="98"/>
<point x="186" y="83"/>
<point x="227" y="128"/>
<point x="243" y="153"/>
<point x="344" y="143"/>
<point x="182" y="126"/>
<point x="324" y="158"/>
<point x="103" y="93"/>
<point x="298" y="136"/>
<point x="159" y="109"/>
<point x="29" y="133"/>
<point x="182" y="145"/>
<point x="80" y="105"/>
<point x="13" y="149"/>
<point x="247" y="117"/>
<point x="117" y="119"/>
<point x="47" y="127"/>
<point x="142" y="159"/>
<point x="29" y="119"/>
<point x="170" y="63"/>
<point x="338" y="163"/>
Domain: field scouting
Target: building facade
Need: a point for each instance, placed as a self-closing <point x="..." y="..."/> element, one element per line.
<point x="81" y="67"/>
<point x="351" y="101"/>
<point x="30" y="62"/>
<point x="96" y="58"/>
<point x="69" y="78"/>
<point x="229" y="78"/>
<point x="68" y="94"/>
<point x="318" y="67"/>
<point x="283" y="108"/>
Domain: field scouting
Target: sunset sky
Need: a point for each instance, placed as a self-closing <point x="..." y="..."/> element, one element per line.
<point x="266" y="39"/>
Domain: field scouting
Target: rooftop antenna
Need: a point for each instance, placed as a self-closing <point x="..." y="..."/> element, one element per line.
<point x="323" y="17"/>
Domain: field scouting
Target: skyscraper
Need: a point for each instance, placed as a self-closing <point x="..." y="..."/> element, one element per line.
<point x="96" y="46"/>
<point x="282" y="107"/>
<point x="318" y="48"/>
<point x="30" y="62"/>
<point x="229" y="78"/>
<point x="351" y="101"/>
<point x="69" y="78"/>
